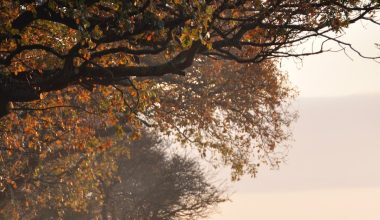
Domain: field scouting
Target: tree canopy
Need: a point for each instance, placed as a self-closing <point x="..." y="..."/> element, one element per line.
<point x="75" y="49"/>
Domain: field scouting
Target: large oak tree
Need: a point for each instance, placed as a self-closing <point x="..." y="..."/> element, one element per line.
<point x="64" y="54"/>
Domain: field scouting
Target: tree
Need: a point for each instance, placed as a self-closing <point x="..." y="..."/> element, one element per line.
<point x="147" y="185"/>
<point x="48" y="46"/>
<point x="51" y="44"/>
<point x="154" y="185"/>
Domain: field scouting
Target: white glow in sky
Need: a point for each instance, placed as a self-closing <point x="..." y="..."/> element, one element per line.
<point x="335" y="74"/>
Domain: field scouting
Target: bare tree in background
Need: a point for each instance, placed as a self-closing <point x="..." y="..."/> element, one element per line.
<point x="151" y="185"/>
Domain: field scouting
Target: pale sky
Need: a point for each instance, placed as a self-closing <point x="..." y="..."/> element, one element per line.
<point x="333" y="169"/>
<point x="335" y="74"/>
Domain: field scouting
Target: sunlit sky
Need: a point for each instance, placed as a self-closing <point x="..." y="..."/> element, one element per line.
<point x="332" y="171"/>
<point x="338" y="74"/>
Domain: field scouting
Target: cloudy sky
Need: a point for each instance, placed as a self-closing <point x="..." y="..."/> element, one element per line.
<point x="333" y="168"/>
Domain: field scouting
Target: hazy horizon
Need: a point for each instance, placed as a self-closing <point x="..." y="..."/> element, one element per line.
<point x="330" y="157"/>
